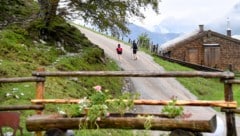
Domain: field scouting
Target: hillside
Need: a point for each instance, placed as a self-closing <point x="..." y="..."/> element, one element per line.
<point x="22" y="52"/>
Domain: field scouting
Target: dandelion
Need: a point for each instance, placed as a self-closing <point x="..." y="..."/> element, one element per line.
<point x="98" y="88"/>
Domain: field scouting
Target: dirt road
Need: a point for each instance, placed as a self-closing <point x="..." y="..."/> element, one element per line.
<point x="150" y="88"/>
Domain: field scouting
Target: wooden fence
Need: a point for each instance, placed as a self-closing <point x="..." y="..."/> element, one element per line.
<point x="228" y="105"/>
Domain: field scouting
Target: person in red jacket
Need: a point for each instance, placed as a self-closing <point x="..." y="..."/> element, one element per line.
<point x="119" y="51"/>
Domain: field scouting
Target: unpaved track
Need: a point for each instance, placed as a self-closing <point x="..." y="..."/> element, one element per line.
<point x="150" y="88"/>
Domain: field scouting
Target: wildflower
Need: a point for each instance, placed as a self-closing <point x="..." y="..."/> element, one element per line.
<point x="98" y="88"/>
<point x="15" y="89"/>
<point x="108" y="114"/>
<point x="98" y="119"/>
<point x="83" y="100"/>
<point x="8" y="94"/>
<point x="62" y="112"/>
<point x="16" y="96"/>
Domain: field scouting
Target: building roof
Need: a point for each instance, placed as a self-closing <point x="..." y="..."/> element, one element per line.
<point x="177" y="40"/>
<point x="192" y="36"/>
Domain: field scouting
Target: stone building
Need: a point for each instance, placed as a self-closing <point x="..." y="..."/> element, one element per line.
<point x="205" y="47"/>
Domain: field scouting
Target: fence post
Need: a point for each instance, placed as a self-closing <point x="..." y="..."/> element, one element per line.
<point x="39" y="95"/>
<point x="230" y="116"/>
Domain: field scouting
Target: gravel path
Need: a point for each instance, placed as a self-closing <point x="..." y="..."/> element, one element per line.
<point x="152" y="88"/>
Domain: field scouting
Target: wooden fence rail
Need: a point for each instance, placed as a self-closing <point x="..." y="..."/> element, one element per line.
<point x="227" y="78"/>
<point x="21" y="79"/>
<point x="232" y="81"/>
<point x="226" y="75"/>
<point x="223" y="104"/>
<point x="21" y="107"/>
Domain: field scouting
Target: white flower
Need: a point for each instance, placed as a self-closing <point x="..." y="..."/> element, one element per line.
<point x="15" y="89"/>
<point x="8" y="94"/>
<point x="82" y="100"/>
<point x="98" y="118"/>
<point x="16" y="96"/>
<point x="22" y="94"/>
<point x="62" y="112"/>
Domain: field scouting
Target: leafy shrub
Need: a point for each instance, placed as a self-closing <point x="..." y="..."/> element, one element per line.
<point x="171" y="110"/>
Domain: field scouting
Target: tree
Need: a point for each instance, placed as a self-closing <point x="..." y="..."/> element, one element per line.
<point x="144" y="40"/>
<point x="10" y="11"/>
<point x="107" y="15"/>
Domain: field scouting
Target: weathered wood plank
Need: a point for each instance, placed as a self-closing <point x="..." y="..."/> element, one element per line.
<point x="232" y="81"/>
<point x="237" y="111"/>
<point x="21" y="79"/>
<point x="138" y="74"/>
<point x="21" y="107"/>
<point x="226" y="104"/>
<point x="44" y="122"/>
<point x="230" y="116"/>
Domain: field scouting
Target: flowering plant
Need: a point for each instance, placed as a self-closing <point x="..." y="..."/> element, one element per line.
<point x="99" y="105"/>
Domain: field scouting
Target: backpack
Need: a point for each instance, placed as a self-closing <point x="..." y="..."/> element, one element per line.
<point x="135" y="46"/>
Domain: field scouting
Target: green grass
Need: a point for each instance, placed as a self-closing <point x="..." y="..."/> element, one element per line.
<point x="203" y="88"/>
<point x="20" y="56"/>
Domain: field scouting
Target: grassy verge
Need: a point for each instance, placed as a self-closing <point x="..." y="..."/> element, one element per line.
<point x="203" y="88"/>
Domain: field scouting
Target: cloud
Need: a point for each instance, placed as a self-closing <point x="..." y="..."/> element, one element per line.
<point x="234" y="19"/>
<point x="182" y="16"/>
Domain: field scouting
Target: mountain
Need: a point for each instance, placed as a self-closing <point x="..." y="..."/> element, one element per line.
<point x="155" y="37"/>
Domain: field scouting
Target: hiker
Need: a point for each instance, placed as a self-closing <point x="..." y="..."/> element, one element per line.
<point x="119" y="51"/>
<point x="135" y="48"/>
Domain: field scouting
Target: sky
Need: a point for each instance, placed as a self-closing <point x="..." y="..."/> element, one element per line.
<point x="183" y="16"/>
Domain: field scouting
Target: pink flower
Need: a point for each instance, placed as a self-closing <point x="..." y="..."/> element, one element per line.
<point x="107" y="114"/>
<point x="98" y="88"/>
